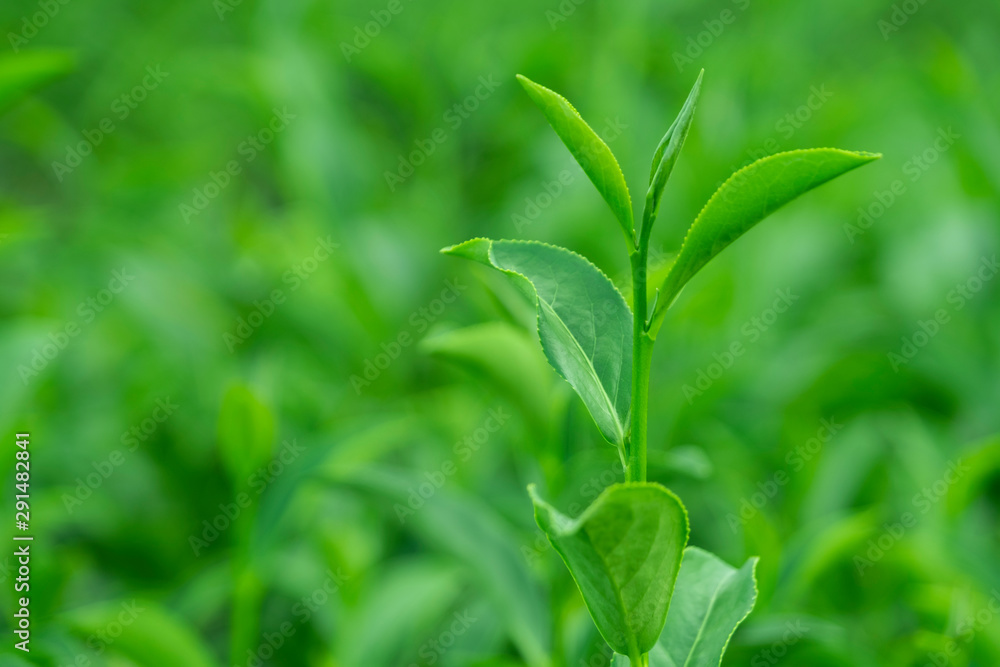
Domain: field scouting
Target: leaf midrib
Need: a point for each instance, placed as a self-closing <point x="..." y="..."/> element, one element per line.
<point x="620" y="431"/>
<point x="630" y="635"/>
<point x="704" y="621"/>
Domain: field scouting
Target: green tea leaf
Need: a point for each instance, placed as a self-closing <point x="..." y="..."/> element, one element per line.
<point x="584" y="324"/>
<point x="588" y="148"/>
<point x="666" y="156"/>
<point x="711" y="599"/>
<point x="22" y="73"/>
<point x="624" y="552"/>
<point x="246" y="433"/>
<point x="746" y="198"/>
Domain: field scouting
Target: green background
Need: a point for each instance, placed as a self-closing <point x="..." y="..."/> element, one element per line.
<point x="300" y="310"/>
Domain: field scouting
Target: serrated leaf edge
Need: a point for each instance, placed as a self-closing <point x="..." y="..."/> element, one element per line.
<point x="627" y="226"/>
<point x="753" y="603"/>
<point x="668" y="301"/>
<point x="568" y="527"/>
<point x="623" y="427"/>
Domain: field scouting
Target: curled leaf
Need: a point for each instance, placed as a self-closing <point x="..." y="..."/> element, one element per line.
<point x="584" y="324"/>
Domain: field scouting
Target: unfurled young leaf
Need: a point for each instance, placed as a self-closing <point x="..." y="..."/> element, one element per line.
<point x="710" y="600"/>
<point x="624" y="552"/>
<point x="588" y="148"/>
<point x="666" y="156"/>
<point x="746" y="198"/>
<point x="584" y="324"/>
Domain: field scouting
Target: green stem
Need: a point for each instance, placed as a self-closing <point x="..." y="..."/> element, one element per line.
<point x="637" y="659"/>
<point x="642" y="347"/>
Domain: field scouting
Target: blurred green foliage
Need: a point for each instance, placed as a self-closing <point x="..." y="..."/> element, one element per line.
<point x="206" y="195"/>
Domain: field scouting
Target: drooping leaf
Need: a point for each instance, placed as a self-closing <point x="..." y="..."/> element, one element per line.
<point x="746" y="198"/>
<point x="666" y="156"/>
<point x="624" y="552"/>
<point x="584" y="324"/>
<point x="246" y="433"/>
<point x="588" y="148"/>
<point x="710" y="600"/>
<point x="22" y="73"/>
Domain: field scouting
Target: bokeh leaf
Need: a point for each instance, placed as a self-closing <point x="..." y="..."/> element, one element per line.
<point x="746" y="198"/>
<point x="584" y="324"/>
<point x="508" y="357"/>
<point x="471" y="531"/>
<point x="399" y="608"/>
<point x="149" y="635"/>
<point x="588" y="148"/>
<point x="22" y="73"/>
<point x="981" y="463"/>
<point x="246" y="433"/>
<point x="624" y="552"/>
